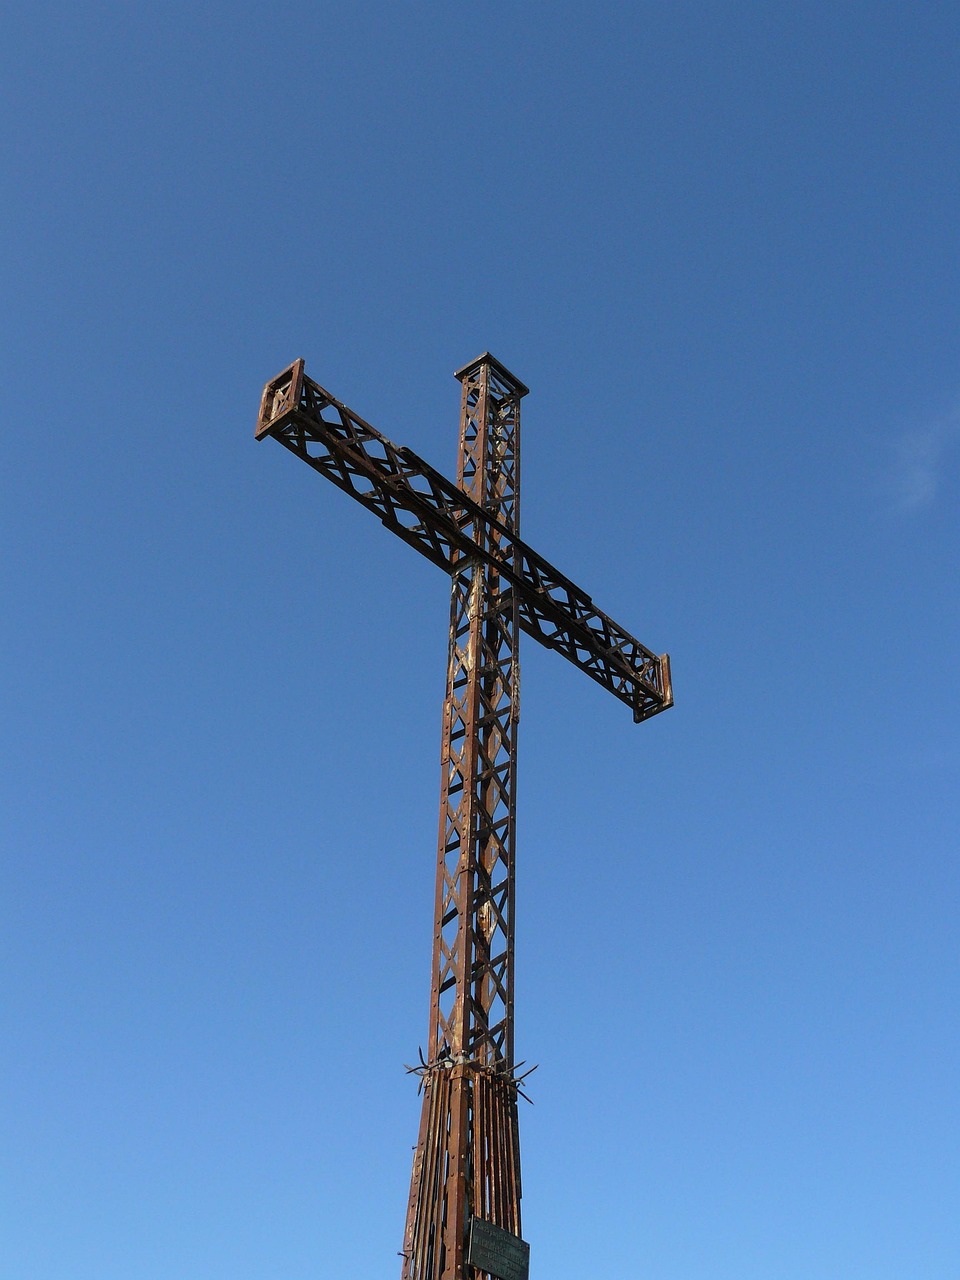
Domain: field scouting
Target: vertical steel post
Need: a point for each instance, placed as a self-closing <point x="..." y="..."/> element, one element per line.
<point x="467" y="1160"/>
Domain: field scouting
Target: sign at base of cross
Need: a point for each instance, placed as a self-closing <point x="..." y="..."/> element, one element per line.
<point x="492" y="1249"/>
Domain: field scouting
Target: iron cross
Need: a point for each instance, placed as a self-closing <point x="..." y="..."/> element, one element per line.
<point x="463" y="1214"/>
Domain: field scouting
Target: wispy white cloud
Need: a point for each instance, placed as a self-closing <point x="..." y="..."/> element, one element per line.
<point x="923" y="457"/>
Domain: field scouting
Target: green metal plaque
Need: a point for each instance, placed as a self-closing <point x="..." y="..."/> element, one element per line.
<point x="492" y="1249"/>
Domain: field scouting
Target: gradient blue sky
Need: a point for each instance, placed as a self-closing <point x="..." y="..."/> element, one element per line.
<point x="719" y="243"/>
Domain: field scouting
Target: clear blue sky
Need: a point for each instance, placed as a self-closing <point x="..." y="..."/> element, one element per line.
<point x="719" y="242"/>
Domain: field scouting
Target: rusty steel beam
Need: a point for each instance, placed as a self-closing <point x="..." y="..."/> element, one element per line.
<point x="467" y="1157"/>
<point x="463" y="1211"/>
<point x="439" y="519"/>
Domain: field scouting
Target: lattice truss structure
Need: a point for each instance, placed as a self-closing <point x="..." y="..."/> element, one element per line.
<point x="469" y="1119"/>
<point x="472" y="1003"/>
<point x="467" y="1161"/>
<point x="435" y="517"/>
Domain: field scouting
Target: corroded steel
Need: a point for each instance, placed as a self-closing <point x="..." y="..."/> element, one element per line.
<point x="435" y="516"/>
<point x="467" y="1161"/>
<point x="469" y="1120"/>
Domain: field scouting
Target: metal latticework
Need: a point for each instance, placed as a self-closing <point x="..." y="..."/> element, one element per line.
<point x="467" y="1159"/>
<point x="467" y="1164"/>
<point x="437" y="518"/>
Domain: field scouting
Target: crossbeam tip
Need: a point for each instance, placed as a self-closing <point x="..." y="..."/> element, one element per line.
<point x="281" y="395"/>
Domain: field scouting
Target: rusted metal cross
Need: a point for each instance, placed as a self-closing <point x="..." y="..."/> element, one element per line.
<point x="463" y="1216"/>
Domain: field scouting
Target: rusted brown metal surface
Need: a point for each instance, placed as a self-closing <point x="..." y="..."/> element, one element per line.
<point x="467" y="1161"/>
<point x="469" y="1121"/>
<point x="436" y="517"/>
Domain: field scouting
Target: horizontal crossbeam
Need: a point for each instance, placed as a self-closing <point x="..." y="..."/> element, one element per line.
<point x="436" y="517"/>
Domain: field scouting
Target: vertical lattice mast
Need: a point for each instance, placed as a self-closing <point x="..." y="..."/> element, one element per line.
<point x="467" y="1159"/>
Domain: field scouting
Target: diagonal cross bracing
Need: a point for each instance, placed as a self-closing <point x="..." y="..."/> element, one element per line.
<point x="467" y="1161"/>
<point x="469" y="1120"/>
<point x="440" y="518"/>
